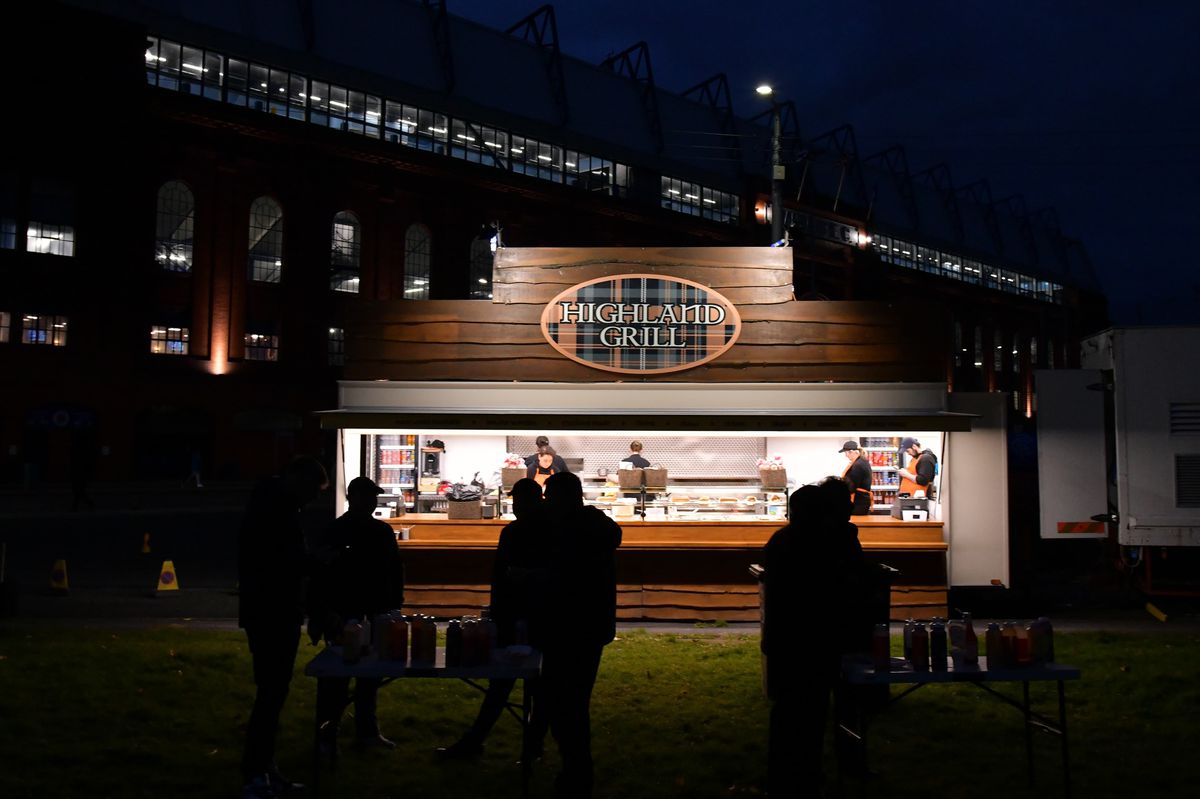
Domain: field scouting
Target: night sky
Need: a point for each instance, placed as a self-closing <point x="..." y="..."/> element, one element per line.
<point x="1091" y="108"/>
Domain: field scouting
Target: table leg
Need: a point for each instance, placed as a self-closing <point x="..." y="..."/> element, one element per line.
<point x="1062" y="725"/>
<point x="526" y="735"/>
<point x="1028" y="729"/>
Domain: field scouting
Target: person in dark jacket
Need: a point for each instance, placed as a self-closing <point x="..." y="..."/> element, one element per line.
<point x="272" y="567"/>
<point x="917" y="475"/>
<point x="858" y="477"/>
<point x="583" y="616"/>
<point x="635" y="456"/>
<point x="359" y="574"/>
<point x="809" y="585"/>
<point x="558" y="465"/>
<point x="544" y="467"/>
<point x="519" y="576"/>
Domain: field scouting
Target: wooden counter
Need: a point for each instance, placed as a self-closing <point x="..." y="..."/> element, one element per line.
<point x="669" y="569"/>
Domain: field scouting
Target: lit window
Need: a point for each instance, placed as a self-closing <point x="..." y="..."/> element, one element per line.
<point x="1033" y="352"/>
<point x="345" y="251"/>
<point x="418" y="261"/>
<point x="337" y="346"/>
<point x="998" y="350"/>
<point x="174" y="227"/>
<point x="262" y="347"/>
<point x="481" y="269"/>
<point x="8" y="234"/>
<point x="168" y="340"/>
<point x="266" y="240"/>
<point x="51" y="330"/>
<point x="5" y="326"/>
<point x="50" y="239"/>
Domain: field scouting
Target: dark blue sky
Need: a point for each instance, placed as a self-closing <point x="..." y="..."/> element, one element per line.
<point x="1092" y="108"/>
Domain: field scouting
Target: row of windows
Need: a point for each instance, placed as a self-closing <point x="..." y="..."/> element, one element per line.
<point x="696" y="200"/>
<point x="175" y="230"/>
<point x="1018" y="345"/>
<point x="170" y="65"/>
<point x="35" y="329"/>
<point x="40" y="237"/>
<point x="927" y="259"/>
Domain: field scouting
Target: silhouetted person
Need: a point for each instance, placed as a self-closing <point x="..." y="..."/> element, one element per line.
<point x="583" y="613"/>
<point x="358" y="573"/>
<point x="519" y="577"/>
<point x="559" y="465"/>
<point x="272" y="566"/>
<point x="809" y="583"/>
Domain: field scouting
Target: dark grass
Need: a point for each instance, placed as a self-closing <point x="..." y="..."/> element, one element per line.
<point x="91" y="713"/>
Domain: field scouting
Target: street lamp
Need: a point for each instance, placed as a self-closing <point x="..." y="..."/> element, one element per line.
<point x="778" y="171"/>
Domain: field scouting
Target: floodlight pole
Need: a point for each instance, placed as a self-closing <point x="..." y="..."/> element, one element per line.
<point x="778" y="172"/>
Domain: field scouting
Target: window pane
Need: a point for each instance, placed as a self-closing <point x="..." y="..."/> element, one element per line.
<point x="260" y="94"/>
<point x="345" y="250"/>
<point x="5" y="326"/>
<point x="169" y="57"/>
<point x="8" y="233"/>
<point x="50" y="239"/>
<point x="337" y="346"/>
<point x="168" y="340"/>
<point x="191" y="70"/>
<point x="261" y="347"/>
<point x="266" y="240"/>
<point x="174" y="227"/>
<point x="237" y="82"/>
<point x="418" y="259"/>
<point x="48" y="330"/>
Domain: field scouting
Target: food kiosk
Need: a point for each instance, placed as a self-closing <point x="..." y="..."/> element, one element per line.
<point x="703" y="356"/>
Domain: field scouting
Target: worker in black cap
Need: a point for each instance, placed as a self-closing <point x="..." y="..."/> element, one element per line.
<point x="857" y="477"/>
<point x="558" y="464"/>
<point x="919" y="473"/>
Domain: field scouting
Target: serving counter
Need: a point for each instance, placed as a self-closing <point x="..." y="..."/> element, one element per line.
<point x="669" y="569"/>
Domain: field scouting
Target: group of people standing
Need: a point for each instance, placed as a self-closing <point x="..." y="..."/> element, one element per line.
<point x="554" y="576"/>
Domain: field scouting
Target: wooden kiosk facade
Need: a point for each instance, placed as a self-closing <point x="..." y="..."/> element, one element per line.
<point x="767" y="365"/>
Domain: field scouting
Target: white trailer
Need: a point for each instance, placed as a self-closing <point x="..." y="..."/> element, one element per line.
<point x="1119" y="440"/>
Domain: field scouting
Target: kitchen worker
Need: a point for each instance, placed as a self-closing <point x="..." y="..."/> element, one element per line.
<point x="544" y="468"/>
<point x="919" y="473"/>
<point x="560" y="465"/>
<point x="857" y="477"/>
<point x="635" y="456"/>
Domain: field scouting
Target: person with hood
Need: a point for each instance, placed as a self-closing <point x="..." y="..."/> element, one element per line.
<point x="359" y="574"/>
<point x="272" y="568"/>
<point x="583" y="620"/>
<point x="519" y="576"/>
<point x="921" y="469"/>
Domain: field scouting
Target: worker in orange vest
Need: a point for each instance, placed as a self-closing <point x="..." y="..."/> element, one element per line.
<point x="857" y="476"/>
<point x="919" y="473"/>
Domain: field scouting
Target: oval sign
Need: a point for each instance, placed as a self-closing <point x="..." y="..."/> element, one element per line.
<point x="641" y="324"/>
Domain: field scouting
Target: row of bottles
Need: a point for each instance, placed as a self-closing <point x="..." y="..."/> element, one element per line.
<point x="391" y="636"/>
<point x="886" y="479"/>
<point x="883" y="497"/>
<point x="878" y="441"/>
<point x="400" y="440"/>
<point x="884" y="459"/>
<point x="397" y="458"/>
<point x="470" y="641"/>
<point x="927" y="648"/>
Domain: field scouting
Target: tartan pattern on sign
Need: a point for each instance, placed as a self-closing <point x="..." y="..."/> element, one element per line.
<point x="582" y="339"/>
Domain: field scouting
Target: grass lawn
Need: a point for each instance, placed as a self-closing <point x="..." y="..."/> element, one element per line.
<point x="159" y="713"/>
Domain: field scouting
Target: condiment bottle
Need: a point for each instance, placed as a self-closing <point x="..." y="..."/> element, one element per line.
<point x="970" y="642"/>
<point x="1008" y="643"/>
<point x="491" y="636"/>
<point x="470" y="642"/>
<point x="881" y="648"/>
<point x="920" y="648"/>
<point x="351" y="642"/>
<point x="454" y="643"/>
<point x="1023" y="654"/>
<point x="937" y="646"/>
<point x="1047" y="637"/>
<point x="908" y="631"/>
<point x="995" y="646"/>
<point x="379" y="629"/>
<point x="398" y="638"/>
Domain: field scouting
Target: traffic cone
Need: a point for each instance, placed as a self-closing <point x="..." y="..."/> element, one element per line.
<point x="167" y="579"/>
<point x="145" y="543"/>
<point x="58" y="577"/>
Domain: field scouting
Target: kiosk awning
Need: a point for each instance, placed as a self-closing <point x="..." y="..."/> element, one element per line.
<point x="623" y="406"/>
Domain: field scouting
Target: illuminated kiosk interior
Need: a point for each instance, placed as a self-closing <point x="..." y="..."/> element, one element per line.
<point x="484" y="378"/>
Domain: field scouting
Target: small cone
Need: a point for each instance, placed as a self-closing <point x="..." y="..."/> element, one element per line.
<point x="58" y="577"/>
<point x="145" y="543"/>
<point x="167" y="579"/>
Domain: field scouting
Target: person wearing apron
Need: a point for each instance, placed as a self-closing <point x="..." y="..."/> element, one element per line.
<point x="858" y="477"/>
<point x="919" y="473"/>
<point x="541" y="471"/>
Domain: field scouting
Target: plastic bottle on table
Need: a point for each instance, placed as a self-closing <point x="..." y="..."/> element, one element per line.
<point x="881" y="648"/>
<point x="352" y="635"/>
<point x="908" y="631"/>
<point x="470" y="642"/>
<point x="1008" y="643"/>
<point x="1023" y="645"/>
<point x="937" y="646"/>
<point x="454" y="643"/>
<point x="397" y="636"/>
<point x="970" y="642"/>
<point x="1045" y="653"/>
<point x="995" y="646"/>
<point x="920" y="647"/>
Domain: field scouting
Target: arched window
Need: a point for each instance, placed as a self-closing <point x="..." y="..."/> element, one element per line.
<point x="266" y="240"/>
<point x="481" y="269"/>
<point x="418" y="261"/>
<point x="174" y="227"/>
<point x="344" y="253"/>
